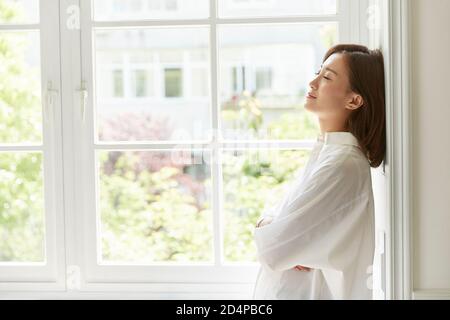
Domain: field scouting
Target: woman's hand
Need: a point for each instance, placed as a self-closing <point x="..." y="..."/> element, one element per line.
<point x="302" y="268"/>
<point x="264" y="221"/>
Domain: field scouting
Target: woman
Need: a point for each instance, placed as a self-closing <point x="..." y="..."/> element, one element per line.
<point x="318" y="242"/>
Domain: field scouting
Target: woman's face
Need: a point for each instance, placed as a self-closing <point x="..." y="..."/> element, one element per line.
<point x="330" y="97"/>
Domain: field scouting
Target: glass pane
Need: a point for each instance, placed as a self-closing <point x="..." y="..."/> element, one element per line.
<point x="254" y="180"/>
<point x="21" y="207"/>
<point x="271" y="8"/>
<point x="155" y="206"/>
<point x="173" y="82"/>
<point x="118" y="83"/>
<point x="150" y="9"/>
<point x="19" y="11"/>
<point x="152" y="84"/>
<point x="264" y="76"/>
<point x="20" y="88"/>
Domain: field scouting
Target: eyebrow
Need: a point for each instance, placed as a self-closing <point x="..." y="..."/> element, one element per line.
<point x="331" y="70"/>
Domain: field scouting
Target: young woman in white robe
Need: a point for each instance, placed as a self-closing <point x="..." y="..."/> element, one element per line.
<point x="318" y="241"/>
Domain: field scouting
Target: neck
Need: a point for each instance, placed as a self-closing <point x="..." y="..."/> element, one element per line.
<point x="328" y="126"/>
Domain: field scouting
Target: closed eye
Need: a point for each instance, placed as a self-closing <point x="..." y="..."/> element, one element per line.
<point x="318" y="72"/>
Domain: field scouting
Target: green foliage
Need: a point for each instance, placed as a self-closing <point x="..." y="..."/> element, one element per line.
<point x="147" y="218"/>
<point x="253" y="180"/>
<point x="294" y="126"/>
<point x="20" y="102"/>
<point x="9" y="11"/>
<point x="21" y="182"/>
<point x="21" y="207"/>
<point x="244" y="112"/>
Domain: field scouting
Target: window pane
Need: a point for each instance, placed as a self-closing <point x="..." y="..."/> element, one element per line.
<point x="118" y="83"/>
<point x="173" y="80"/>
<point x="19" y="11"/>
<point x="150" y="9"/>
<point x="264" y="76"/>
<point x="253" y="180"/>
<point x="21" y="207"/>
<point x="266" y="8"/>
<point x="151" y="64"/>
<point x="263" y="79"/>
<point x="20" y="88"/>
<point x="155" y="206"/>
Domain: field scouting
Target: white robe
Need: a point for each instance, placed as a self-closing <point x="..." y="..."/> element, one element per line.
<point x="325" y="222"/>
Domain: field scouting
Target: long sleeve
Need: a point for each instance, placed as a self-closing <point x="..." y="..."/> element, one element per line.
<point x="274" y="210"/>
<point x="322" y="223"/>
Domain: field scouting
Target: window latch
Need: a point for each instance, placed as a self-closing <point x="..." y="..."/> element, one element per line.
<point x="84" y="98"/>
<point x="50" y="99"/>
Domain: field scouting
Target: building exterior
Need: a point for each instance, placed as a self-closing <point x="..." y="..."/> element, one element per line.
<point x="165" y="71"/>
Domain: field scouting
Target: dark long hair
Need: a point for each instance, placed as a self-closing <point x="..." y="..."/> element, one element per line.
<point x="366" y="75"/>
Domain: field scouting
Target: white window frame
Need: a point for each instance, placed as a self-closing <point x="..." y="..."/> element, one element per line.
<point x="50" y="272"/>
<point x="75" y="245"/>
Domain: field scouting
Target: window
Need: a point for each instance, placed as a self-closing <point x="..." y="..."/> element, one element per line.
<point x="249" y="78"/>
<point x="106" y="10"/>
<point x="175" y="187"/>
<point x="23" y="12"/>
<point x="175" y="136"/>
<point x="169" y="56"/>
<point x="22" y="196"/>
<point x="30" y="150"/>
<point x="238" y="79"/>
<point x="173" y="80"/>
<point x="280" y="8"/>
<point x="263" y="78"/>
<point x="118" y="83"/>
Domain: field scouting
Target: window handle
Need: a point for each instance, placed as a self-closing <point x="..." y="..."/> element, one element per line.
<point x="73" y="277"/>
<point x="84" y="98"/>
<point x="50" y="99"/>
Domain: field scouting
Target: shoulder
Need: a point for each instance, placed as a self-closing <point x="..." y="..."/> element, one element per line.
<point x="343" y="157"/>
<point x="334" y="160"/>
<point x="346" y="166"/>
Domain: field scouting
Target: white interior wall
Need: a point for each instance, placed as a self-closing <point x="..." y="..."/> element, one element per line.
<point x="431" y="147"/>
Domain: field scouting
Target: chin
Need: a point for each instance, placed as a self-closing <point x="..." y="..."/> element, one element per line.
<point x="308" y="106"/>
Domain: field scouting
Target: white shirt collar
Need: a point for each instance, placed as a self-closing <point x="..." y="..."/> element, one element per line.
<point x="341" y="137"/>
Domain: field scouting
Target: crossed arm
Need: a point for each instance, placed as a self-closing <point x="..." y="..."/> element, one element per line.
<point x="267" y="220"/>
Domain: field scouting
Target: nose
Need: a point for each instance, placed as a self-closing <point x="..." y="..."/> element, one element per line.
<point x="313" y="84"/>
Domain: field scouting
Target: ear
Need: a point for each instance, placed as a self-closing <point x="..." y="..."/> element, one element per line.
<point x="355" y="102"/>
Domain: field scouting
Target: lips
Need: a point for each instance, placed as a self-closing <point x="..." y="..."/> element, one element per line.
<point x="311" y="96"/>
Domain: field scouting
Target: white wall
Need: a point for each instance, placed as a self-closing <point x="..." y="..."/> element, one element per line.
<point x="431" y="147"/>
